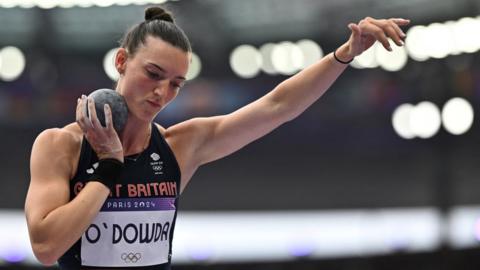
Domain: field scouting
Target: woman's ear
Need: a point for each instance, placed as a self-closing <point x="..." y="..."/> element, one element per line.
<point x="121" y="60"/>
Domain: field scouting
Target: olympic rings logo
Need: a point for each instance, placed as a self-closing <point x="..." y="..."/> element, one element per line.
<point x="131" y="257"/>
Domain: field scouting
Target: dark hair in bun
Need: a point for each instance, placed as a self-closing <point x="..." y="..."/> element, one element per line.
<point x="158" y="23"/>
<point x="158" y="13"/>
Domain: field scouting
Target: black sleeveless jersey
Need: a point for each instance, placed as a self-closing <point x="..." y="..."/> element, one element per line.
<point x="134" y="228"/>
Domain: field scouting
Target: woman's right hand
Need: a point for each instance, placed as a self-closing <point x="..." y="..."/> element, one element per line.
<point x="104" y="140"/>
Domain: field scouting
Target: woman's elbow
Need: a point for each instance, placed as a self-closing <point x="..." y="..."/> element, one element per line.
<point x="45" y="254"/>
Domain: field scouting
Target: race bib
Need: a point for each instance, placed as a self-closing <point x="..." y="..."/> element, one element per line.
<point x="129" y="232"/>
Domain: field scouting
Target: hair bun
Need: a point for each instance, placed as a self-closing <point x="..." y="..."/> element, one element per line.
<point x="158" y="13"/>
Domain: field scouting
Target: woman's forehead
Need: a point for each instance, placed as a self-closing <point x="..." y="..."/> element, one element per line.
<point x="163" y="54"/>
<point x="158" y="46"/>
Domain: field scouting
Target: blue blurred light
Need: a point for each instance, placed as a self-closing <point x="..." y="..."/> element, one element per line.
<point x="14" y="256"/>
<point x="301" y="249"/>
<point x="477" y="229"/>
<point x="200" y="253"/>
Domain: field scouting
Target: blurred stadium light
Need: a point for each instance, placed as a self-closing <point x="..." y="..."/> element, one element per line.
<point x="13" y="61"/>
<point x="282" y="236"/>
<point x="457" y="116"/>
<point x="49" y="4"/>
<point x="423" y="120"/>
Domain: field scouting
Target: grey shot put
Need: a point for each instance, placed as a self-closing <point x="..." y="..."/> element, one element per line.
<point x="117" y="105"/>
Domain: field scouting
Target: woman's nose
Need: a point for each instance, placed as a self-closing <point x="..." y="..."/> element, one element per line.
<point x="161" y="87"/>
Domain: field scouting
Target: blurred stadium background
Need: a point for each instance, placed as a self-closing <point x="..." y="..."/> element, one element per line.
<point x="381" y="173"/>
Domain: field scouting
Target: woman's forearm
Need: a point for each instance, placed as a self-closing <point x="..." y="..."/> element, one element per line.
<point x="62" y="227"/>
<point x="297" y="93"/>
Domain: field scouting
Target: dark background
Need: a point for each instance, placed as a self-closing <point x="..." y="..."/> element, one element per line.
<point x="342" y="153"/>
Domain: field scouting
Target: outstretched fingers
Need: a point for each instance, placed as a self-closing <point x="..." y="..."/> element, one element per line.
<point x="356" y="31"/>
<point x="399" y="31"/>
<point x="394" y="35"/>
<point x="400" y="21"/>
<point x="384" y="29"/>
<point x="378" y="32"/>
<point x="394" y="31"/>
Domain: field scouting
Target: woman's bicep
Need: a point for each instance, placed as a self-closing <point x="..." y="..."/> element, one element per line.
<point x="219" y="136"/>
<point x="50" y="170"/>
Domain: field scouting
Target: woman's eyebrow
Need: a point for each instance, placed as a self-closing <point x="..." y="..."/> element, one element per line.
<point x="164" y="71"/>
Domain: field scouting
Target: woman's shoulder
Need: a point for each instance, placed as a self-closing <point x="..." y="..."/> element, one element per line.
<point x="58" y="148"/>
<point x="67" y="138"/>
<point x="160" y="128"/>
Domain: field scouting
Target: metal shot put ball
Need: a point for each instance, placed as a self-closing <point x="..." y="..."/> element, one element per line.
<point x="117" y="105"/>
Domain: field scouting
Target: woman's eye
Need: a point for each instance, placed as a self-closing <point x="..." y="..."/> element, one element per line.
<point x="178" y="85"/>
<point x="153" y="75"/>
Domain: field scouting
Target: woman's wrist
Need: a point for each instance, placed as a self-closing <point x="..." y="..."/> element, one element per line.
<point x="342" y="55"/>
<point x="107" y="172"/>
<point x="116" y="154"/>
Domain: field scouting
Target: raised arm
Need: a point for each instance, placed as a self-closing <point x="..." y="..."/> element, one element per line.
<point x="215" y="137"/>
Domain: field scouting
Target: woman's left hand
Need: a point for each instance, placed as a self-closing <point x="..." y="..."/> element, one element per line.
<point x="367" y="31"/>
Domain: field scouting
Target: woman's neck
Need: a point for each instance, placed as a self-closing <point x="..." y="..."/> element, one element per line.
<point x="135" y="137"/>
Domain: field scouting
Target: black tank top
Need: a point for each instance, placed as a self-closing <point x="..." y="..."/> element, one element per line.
<point x="134" y="228"/>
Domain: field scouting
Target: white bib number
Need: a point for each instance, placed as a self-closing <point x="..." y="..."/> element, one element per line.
<point x="129" y="233"/>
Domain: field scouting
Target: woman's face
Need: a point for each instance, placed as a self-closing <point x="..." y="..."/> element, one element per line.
<point x="151" y="79"/>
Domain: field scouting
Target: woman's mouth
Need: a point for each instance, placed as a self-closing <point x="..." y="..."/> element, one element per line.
<point x="154" y="104"/>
